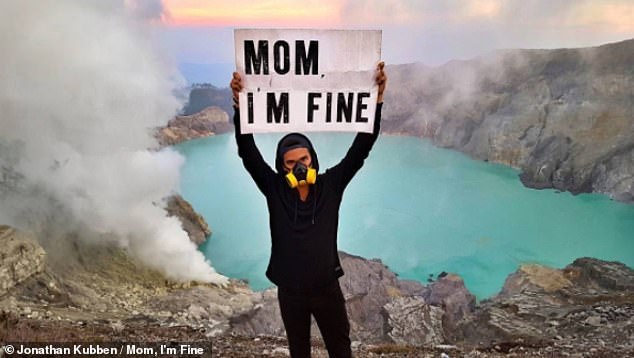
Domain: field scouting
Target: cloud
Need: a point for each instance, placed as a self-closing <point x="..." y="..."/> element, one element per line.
<point x="80" y="90"/>
<point x="405" y="12"/>
<point x="252" y="13"/>
<point x="431" y="31"/>
<point x="436" y="31"/>
<point x="147" y="9"/>
<point x="616" y="14"/>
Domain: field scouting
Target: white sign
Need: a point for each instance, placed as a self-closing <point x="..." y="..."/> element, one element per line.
<point x="307" y="80"/>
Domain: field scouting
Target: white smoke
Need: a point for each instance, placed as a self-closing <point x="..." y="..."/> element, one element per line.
<point x="81" y="88"/>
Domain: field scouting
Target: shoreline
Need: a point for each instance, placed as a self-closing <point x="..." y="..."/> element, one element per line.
<point x="469" y="155"/>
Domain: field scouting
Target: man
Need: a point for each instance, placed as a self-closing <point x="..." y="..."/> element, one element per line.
<point x="303" y="219"/>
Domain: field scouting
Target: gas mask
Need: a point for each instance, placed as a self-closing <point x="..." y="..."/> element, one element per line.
<point x="301" y="175"/>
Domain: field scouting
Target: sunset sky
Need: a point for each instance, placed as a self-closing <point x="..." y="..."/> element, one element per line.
<point x="428" y="31"/>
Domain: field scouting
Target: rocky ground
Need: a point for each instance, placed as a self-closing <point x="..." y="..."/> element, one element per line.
<point x="99" y="294"/>
<point x="14" y="328"/>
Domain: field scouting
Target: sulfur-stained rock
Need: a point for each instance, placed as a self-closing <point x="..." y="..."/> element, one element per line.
<point x="531" y="277"/>
<point x="20" y="258"/>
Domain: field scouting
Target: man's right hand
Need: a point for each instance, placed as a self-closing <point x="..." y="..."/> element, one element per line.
<point x="381" y="80"/>
<point x="236" y="87"/>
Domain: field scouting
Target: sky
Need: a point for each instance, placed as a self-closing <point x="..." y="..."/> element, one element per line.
<point x="428" y="31"/>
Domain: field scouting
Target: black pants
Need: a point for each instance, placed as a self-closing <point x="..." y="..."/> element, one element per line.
<point x="329" y="309"/>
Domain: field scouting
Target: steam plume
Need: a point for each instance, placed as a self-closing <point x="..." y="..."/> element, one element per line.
<point x="80" y="89"/>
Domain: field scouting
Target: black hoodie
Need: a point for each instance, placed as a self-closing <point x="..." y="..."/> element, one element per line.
<point x="304" y="233"/>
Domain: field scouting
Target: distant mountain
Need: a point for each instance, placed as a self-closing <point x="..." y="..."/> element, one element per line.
<point x="564" y="117"/>
<point x="206" y="95"/>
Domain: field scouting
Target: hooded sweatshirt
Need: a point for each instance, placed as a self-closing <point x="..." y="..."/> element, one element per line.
<point x="304" y="233"/>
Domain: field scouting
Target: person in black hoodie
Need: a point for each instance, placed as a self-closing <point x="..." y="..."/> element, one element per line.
<point x="303" y="219"/>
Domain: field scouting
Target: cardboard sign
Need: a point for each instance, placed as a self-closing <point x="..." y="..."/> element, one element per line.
<point x="307" y="80"/>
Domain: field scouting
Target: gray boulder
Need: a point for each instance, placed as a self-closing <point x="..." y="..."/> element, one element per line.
<point x="264" y="318"/>
<point x="450" y="294"/>
<point x="413" y="322"/>
<point x="368" y="285"/>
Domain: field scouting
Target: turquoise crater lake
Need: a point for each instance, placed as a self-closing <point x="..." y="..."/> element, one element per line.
<point x="420" y="209"/>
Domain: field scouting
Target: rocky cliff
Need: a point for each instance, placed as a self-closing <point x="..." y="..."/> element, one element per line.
<point x="588" y="303"/>
<point x="209" y="121"/>
<point x="193" y="223"/>
<point x="564" y="117"/>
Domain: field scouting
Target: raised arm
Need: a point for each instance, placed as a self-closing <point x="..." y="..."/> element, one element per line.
<point x="252" y="160"/>
<point x="363" y="142"/>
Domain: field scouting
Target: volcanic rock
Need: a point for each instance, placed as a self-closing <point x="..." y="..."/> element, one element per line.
<point x="414" y="322"/>
<point x="209" y="121"/>
<point x="374" y="299"/>
<point x="193" y="223"/>
<point x="589" y="302"/>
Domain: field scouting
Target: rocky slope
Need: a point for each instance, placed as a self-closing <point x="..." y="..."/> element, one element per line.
<point x="100" y="283"/>
<point x="193" y="223"/>
<point x="564" y="117"/>
<point x="209" y="121"/>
